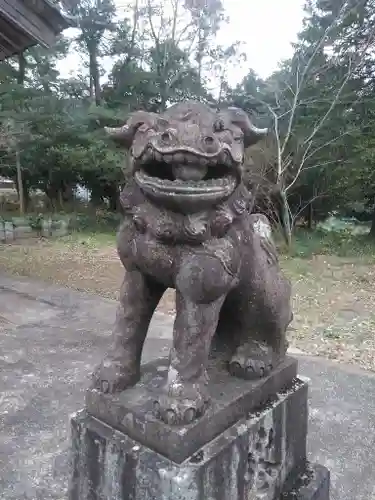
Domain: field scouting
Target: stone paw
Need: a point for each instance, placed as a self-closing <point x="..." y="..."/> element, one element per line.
<point x="252" y="361"/>
<point x="111" y="376"/>
<point x="181" y="404"/>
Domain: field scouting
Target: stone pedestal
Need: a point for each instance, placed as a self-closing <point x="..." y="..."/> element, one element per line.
<point x="250" y="445"/>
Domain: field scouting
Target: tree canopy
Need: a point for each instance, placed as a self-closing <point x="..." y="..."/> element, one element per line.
<point x="319" y="104"/>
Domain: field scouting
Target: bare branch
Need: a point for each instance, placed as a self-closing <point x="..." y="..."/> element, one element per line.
<point x="322" y="164"/>
<point x="152" y="27"/>
<point x="300" y="167"/>
<point x="328" y="143"/>
<point x="316" y="197"/>
<point x="134" y="30"/>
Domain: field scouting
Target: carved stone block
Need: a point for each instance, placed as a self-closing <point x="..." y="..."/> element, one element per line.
<point x="312" y="484"/>
<point x="252" y="459"/>
<point x="132" y="411"/>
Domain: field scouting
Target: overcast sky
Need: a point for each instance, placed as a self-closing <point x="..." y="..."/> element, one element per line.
<point x="266" y="27"/>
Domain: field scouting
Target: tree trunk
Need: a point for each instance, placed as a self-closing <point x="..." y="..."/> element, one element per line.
<point x="372" y="230"/>
<point x="21" y="74"/>
<point x="94" y="75"/>
<point x="310" y="215"/>
<point x="163" y="97"/>
<point x="20" y="182"/>
<point x="285" y="218"/>
<point x="61" y="199"/>
<point x="200" y="51"/>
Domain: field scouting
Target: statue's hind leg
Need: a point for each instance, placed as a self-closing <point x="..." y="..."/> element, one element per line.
<point x="256" y="357"/>
<point x="263" y="308"/>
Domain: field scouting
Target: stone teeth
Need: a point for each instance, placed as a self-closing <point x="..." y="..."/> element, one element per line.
<point x="190" y="158"/>
<point x="178" y="158"/>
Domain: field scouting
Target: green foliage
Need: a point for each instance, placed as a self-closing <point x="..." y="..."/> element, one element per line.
<point x="51" y="128"/>
<point x="319" y="105"/>
<point x="100" y="222"/>
<point x="36" y="222"/>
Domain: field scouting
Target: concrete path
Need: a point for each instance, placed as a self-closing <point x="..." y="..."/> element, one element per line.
<point x="50" y="340"/>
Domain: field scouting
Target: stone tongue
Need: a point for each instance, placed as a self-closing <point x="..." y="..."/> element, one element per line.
<point x="189" y="172"/>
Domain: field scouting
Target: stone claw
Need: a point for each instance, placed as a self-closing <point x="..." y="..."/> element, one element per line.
<point x="182" y="406"/>
<point x="252" y="361"/>
<point x="110" y="377"/>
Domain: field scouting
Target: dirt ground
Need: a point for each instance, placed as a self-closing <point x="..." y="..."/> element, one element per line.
<point x="333" y="297"/>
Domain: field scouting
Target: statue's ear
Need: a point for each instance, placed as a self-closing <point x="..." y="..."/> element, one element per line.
<point x="124" y="135"/>
<point x="251" y="133"/>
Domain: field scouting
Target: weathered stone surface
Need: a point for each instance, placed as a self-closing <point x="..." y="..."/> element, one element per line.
<point x="132" y="411"/>
<point x="8" y="232"/>
<point x="312" y="484"/>
<point x="188" y="225"/>
<point x="250" y="460"/>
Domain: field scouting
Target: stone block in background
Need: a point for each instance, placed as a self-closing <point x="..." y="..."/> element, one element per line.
<point x="60" y="228"/>
<point x="8" y="232"/>
<point x="24" y="231"/>
<point x="46" y="230"/>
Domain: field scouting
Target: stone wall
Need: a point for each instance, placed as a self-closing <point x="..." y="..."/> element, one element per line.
<point x="18" y="228"/>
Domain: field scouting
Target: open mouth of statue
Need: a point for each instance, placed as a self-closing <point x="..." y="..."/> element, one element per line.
<point x="184" y="174"/>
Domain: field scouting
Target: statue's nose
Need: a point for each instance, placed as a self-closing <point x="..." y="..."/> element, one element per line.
<point x="210" y="144"/>
<point x="166" y="138"/>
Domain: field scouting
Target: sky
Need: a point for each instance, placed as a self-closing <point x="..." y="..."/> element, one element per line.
<point x="265" y="27"/>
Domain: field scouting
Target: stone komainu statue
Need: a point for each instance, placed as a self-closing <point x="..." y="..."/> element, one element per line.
<point x="188" y="225"/>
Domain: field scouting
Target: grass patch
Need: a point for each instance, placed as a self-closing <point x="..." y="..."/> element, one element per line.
<point x="89" y="239"/>
<point x="306" y="244"/>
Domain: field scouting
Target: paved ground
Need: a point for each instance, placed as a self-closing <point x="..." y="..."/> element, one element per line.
<point x="50" y="340"/>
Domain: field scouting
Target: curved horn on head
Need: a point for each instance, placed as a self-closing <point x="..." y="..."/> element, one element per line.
<point x="252" y="134"/>
<point x="124" y="135"/>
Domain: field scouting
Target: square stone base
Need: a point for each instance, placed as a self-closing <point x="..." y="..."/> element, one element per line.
<point x="131" y="411"/>
<point x="253" y="459"/>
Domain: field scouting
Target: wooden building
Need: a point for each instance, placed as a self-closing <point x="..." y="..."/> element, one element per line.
<point x="24" y="23"/>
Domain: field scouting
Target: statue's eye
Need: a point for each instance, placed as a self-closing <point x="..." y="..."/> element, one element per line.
<point x="162" y="123"/>
<point x="144" y="127"/>
<point x="238" y="138"/>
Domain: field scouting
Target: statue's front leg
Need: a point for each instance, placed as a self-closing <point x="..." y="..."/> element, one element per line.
<point x="139" y="297"/>
<point x="201" y="287"/>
